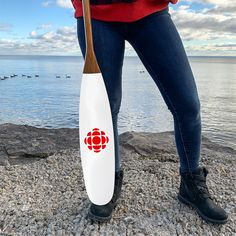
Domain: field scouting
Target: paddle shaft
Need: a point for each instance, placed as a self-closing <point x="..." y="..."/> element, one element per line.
<point x="91" y="64"/>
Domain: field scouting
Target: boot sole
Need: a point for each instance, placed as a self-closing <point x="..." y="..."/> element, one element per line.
<point x="185" y="201"/>
<point x="99" y="218"/>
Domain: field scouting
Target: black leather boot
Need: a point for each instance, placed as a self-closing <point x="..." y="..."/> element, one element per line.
<point x="193" y="191"/>
<point x="103" y="213"/>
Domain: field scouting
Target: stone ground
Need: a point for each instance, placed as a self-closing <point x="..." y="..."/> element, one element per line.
<point x="42" y="189"/>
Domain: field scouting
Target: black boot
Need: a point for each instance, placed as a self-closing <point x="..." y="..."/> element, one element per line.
<point x="194" y="192"/>
<point x="103" y="213"/>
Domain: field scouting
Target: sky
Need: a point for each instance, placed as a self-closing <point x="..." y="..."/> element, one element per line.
<point x="48" y="27"/>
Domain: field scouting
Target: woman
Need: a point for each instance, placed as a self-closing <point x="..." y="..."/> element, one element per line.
<point x="148" y="27"/>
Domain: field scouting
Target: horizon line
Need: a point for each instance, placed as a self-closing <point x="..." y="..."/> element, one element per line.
<point x="124" y="56"/>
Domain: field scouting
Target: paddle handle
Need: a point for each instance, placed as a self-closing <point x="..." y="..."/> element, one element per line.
<point x="91" y="64"/>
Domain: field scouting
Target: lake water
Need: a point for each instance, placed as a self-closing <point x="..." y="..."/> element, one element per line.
<point x="53" y="102"/>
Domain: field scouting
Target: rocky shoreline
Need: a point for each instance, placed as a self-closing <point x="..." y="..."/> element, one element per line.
<point x="43" y="193"/>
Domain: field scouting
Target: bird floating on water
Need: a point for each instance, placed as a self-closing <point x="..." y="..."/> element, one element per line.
<point x="142" y="71"/>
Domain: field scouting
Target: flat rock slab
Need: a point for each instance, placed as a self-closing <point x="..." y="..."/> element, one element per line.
<point x="48" y="196"/>
<point x="20" y="144"/>
<point x="24" y="143"/>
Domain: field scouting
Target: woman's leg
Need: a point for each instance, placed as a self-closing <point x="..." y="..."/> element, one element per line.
<point x="160" y="48"/>
<point x="109" y="46"/>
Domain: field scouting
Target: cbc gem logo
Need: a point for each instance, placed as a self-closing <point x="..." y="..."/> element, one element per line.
<point x="96" y="140"/>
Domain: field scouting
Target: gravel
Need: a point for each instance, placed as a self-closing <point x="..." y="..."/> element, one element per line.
<point x="48" y="196"/>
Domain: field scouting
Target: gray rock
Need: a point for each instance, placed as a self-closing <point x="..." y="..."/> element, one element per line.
<point x="3" y="156"/>
<point x="146" y="143"/>
<point x="24" y="143"/>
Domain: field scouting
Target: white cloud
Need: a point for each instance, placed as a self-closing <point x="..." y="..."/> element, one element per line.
<point x="201" y="29"/>
<point x="220" y="6"/>
<point x="214" y="2"/>
<point x="59" y="3"/>
<point x="213" y="49"/>
<point x="65" y="3"/>
<point x="218" y="2"/>
<point x="203" y="25"/>
<point x="44" y="26"/>
<point x="47" y="3"/>
<point x="60" y="42"/>
<point x="33" y="34"/>
<point x="66" y="33"/>
<point x="184" y="7"/>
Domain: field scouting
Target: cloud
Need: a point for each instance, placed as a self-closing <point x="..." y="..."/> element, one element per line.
<point x="6" y="27"/>
<point x="219" y="6"/>
<point x="194" y="25"/>
<point x="214" y="2"/>
<point x="64" y="3"/>
<point x="213" y="49"/>
<point x="227" y="45"/>
<point x="66" y="33"/>
<point x="208" y="29"/>
<point x="46" y="4"/>
<point x="63" y="41"/>
<point x="225" y="3"/>
<point x="44" y="26"/>
<point x="33" y="34"/>
<point x="59" y="3"/>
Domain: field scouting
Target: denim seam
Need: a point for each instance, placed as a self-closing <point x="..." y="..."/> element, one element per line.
<point x="179" y="124"/>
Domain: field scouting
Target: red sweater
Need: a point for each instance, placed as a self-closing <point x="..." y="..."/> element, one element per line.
<point x="123" y="12"/>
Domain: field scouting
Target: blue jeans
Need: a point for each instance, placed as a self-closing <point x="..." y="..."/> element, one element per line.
<point x="158" y="44"/>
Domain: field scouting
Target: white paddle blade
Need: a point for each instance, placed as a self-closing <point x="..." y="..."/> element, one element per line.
<point x="96" y="139"/>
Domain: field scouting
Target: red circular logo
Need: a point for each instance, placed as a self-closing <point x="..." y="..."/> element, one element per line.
<point x="96" y="140"/>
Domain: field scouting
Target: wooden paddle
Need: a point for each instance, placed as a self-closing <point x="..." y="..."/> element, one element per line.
<point x="95" y="124"/>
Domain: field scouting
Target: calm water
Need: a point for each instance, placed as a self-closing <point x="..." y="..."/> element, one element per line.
<point x="53" y="102"/>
